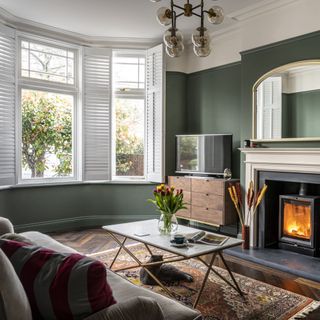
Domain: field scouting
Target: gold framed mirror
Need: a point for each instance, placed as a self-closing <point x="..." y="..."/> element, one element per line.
<point x="286" y="103"/>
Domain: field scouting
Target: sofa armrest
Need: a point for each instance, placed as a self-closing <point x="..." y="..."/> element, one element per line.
<point x="5" y="226"/>
<point x="138" y="308"/>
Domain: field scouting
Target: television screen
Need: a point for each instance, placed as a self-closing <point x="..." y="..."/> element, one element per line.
<point x="204" y="154"/>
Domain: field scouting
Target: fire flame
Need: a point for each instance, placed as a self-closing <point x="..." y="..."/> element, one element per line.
<point x="297" y="221"/>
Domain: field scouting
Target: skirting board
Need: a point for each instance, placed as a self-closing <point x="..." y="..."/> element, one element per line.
<point x="80" y="222"/>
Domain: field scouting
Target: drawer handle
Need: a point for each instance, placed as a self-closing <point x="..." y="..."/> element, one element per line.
<point x="207" y="194"/>
<point x="207" y="208"/>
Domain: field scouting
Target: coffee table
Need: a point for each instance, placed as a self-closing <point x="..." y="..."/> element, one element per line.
<point x="157" y="240"/>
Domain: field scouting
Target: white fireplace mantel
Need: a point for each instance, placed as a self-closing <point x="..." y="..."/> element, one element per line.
<point x="300" y="160"/>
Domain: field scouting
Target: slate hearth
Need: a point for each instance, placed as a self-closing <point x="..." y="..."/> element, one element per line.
<point x="287" y="261"/>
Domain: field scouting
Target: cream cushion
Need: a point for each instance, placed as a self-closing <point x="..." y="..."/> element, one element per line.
<point x="5" y="226"/>
<point x="138" y="308"/>
<point x="13" y="300"/>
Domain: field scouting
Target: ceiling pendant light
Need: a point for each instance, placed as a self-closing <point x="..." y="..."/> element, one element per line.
<point x="175" y="51"/>
<point x="215" y="15"/>
<point x="164" y="16"/>
<point x="201" y="37"/>
<point x="202" y="52"/>
<point x="173" y="38"/>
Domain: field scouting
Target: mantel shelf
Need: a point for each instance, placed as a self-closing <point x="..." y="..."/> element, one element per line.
<point x="281" y="150"/>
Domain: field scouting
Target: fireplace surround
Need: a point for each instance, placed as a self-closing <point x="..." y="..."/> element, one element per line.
<point x="283" y="169"/>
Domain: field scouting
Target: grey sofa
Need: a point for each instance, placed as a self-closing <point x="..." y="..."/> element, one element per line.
<point x="134" y="303"/>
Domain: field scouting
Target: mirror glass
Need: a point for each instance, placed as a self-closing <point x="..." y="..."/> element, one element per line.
<point x="287" y="103"/>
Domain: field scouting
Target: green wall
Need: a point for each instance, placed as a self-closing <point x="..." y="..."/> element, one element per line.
<point x="214" y="105"/>
<point x="53" y="208"/>
<point x="176" y="116"/>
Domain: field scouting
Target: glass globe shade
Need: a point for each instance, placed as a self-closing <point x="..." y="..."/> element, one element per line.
<point x="199" y="40"/>
<point x="172" y="39"/>
<point x="202" y="51"/>
<point x="155" y="0"/>
<point x="175" y="51"/>
<point x="164" y="16"/>
<point x="215" y="15"/>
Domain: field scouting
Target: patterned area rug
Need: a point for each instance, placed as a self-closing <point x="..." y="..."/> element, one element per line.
<point x="219" y="301"/>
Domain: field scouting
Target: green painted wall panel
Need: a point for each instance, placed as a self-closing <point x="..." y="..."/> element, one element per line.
<point x="214" y="105"/>
<point x="34" y="205"/>
<point x="176" y="115"/>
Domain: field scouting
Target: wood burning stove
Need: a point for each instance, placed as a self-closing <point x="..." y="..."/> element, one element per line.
<point x="299" y="223"/>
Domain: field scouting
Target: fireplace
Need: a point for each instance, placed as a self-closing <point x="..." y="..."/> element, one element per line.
<point x="297" y="217"/>
<point x="289" y="216"/>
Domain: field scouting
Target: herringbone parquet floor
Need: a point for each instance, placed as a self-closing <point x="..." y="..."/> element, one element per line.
<point x="91" y="241"/>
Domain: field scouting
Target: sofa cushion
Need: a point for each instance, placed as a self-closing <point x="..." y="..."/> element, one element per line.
<point x="16" y="237"/>
<point x="13" y="299"/>
<point x="43" y="240"/>
<point x="138" y="308"/>
<point x="5" y="226"/>
<point x="59" y="286"/>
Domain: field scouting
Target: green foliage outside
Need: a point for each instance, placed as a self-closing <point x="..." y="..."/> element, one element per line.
<point x="46" y="129"/>
<point x="129" y="145"/>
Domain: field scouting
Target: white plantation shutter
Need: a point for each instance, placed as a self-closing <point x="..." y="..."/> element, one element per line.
<point x="271" y="102"/>
<point x="97" y="114"/>
<point x="155" y="116"/>
<point x="7" y="105"/>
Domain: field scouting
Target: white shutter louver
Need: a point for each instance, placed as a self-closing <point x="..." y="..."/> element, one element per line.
<point x="7" y="106"/>
<point x="155" y="115"/>
<point x="97" y="114"/>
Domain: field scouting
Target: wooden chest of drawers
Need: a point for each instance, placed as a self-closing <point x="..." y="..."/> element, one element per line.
<point x="208" y="200"/>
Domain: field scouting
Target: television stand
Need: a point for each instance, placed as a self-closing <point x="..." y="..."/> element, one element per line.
<point x="208" y="199"/>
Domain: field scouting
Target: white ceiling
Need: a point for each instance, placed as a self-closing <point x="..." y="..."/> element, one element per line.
<point x="114" y="18"/>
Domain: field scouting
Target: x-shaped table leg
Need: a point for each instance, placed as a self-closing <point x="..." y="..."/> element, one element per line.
<point x="140" y="264"/>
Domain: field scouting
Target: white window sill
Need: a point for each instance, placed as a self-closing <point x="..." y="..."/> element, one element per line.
<point x="71" y="183"/>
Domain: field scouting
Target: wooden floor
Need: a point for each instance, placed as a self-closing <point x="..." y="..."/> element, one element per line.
<point x="96" y="240"/>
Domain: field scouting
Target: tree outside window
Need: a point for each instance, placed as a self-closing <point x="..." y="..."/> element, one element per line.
<point x="46" y="134"/>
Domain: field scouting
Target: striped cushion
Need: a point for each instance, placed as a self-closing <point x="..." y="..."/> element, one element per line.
<point x="59" y="286"/>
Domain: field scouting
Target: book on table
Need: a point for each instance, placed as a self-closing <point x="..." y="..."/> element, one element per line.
<point x="206" y="238"/>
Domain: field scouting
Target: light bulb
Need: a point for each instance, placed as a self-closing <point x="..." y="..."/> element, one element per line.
<point x="175" y="51"/>
<point x="215" y="15"/>
<point x="200" y="39"/>
<point x="164" y="16"/>
<point x="201" y="51"/>
<point x="172" y="37"/>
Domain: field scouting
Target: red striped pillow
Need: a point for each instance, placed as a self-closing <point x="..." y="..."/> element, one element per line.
<point x="59" y="286"/>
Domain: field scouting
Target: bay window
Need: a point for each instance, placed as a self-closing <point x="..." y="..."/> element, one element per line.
<point x="74" y="113"/>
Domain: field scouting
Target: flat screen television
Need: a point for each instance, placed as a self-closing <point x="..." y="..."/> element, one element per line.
<point x="206" y="154"/>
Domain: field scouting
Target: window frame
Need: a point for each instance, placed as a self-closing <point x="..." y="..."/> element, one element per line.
<point x="131" y="94"/>
<point x="51" y="87"/>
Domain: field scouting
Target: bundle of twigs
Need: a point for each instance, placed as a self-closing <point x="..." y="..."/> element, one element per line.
<point x="253" y="201"/>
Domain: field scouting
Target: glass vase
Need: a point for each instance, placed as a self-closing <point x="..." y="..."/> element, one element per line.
<point x="168" y="223"/>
